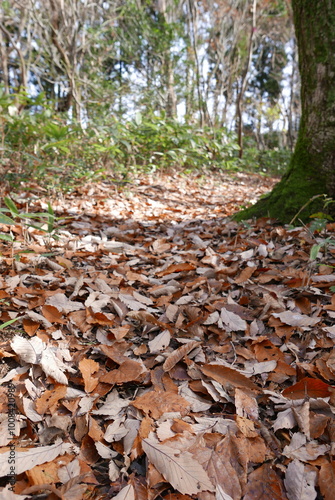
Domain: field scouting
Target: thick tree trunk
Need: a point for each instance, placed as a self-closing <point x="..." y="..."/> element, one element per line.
<point x="312" y="168"/>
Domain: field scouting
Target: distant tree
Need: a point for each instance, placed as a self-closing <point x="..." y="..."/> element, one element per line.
<point x="311" y="172"/>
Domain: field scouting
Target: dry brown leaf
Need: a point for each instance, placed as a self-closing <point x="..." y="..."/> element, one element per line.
<point x="177" y="268"/>
<point x="246" y="405"/>
<point x="228" y="377"/>
<point x="179" y="354"/>
<point x="245" y="275"/>
<point x="129" y="371"/>
<point x="155" y="403"/>
<point x="327" y="480"/>
<point x="44" y="474"/>
<point x="264" y="484"/>
<point x="88" y="367"/>
<point x="50" y="398"/>
<point x="246" y="426"/>
<point x="53" y="315"/>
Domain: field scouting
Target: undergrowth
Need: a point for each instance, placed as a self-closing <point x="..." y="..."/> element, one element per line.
<point x="39" y="146"/>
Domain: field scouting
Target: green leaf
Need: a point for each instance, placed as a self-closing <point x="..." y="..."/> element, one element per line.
<point x="11" y="205"/>
<point x="6" y="237"/>
<point x="6" y="220"/>
<point x="314" y="251"/>
<point x="51" y="219"/>
<point x="11" y="321"/>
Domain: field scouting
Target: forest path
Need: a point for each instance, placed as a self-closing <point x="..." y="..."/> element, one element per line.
<point x="168" y="196"/>
<point x="153" y="325"/>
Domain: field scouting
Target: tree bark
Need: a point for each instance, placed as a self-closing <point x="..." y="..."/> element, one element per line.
<point x="312" y="169"/>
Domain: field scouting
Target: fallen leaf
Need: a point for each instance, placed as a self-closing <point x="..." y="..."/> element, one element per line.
<point x="179" y="354"/>
<point x="228" y="376"/>
<point x="307" y="387"/>
<point x="88" y="367"/>
<point x="232" y="320"/>
<point x="50" y="398"/>
<point x="26" y="460"/>
<point x="304" y="450"/>
<point x="179" y="468"/>
<point x="300" y="481"/>
<point x="155" y="403"/>
<point x="127" y="493"/>
<point x="327" y="480"/>
<point x="264" y="484"/>
<point x="296" y="319"/>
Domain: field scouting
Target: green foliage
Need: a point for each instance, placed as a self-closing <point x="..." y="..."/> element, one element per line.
<point x="10" y="322"/>
<point x="158" y="142"/>
<point x="271" y="161"/>
<point x="325" y="243"/>
<point x="39" y="145"/>
<point x="42" y="221"/>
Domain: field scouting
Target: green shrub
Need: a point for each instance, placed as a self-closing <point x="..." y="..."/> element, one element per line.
<point x="39" y="143"/>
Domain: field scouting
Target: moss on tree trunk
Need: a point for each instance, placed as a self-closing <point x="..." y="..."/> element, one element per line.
<point x="312" y="168"/>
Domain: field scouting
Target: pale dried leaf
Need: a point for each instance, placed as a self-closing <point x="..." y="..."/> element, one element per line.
<point x="69" y="471"/>
<point x="113" y="405"/>
<point x="113" y="471"/>
<point x="220" y="494"/>
<point x="285" y="420"/>
<point x="13" y="373"/>
<point x="198" y="404"/>
<point x="233" y="321"/>
<point x="8" y="494"/>
<point x="115" y="431"/>
<point x="302" y="416"/>
<point x="53" y="367"/>
<point x="38" y="318"/>
<point x="212" y="318"/>
<point x="181" y="470"/>
<point x="246" y="405"/>
<point x="105" y="451"/>
<point x="160" y="342"/>
<point x="130" y="302"/>
<point x="26" y="460"/>
<point x="303" y="450"/>
<point x="24" y="349"/>
<point x="300" y="481"/>
<point x="127" y="493"/>
<point x="142" y="298"/>
<point x="63" y="304"/>
<point x="296" y="319"/>
<point x="30" y="411"/>
<point x="253" y="368"/>
<point x="132" y="427"/>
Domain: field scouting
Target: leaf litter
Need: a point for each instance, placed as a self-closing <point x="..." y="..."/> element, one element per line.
<point x="162" y="350"/>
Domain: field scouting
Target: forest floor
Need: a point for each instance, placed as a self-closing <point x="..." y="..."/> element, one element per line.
<point x="162" y="350"/>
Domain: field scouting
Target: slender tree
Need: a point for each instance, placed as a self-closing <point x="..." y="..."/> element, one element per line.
<point x="311" y="173"/>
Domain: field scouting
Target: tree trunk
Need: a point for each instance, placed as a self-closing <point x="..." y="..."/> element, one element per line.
<point x="312" y="168"/>
<point x="244" y="81"/>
